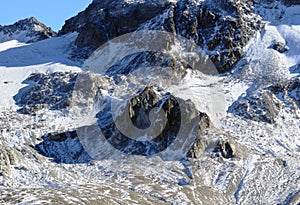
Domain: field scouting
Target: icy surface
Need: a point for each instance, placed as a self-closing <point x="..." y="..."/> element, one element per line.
<point x="266" y="167"/>
<point x="18" y="61"/>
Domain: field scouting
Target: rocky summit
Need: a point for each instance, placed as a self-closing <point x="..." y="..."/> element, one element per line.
<point x="28" y="30"/>
<point x="221" y="28"/>
<point x="153" y="102"/>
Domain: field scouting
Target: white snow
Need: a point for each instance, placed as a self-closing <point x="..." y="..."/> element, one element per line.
<point x="21" y="36"/>
<point x="267" y="163"/>
<point x="283" y="24"/>
<point x="206" y="92"/>
<point x="10" y="44"/>
<point x="19" y="60"/>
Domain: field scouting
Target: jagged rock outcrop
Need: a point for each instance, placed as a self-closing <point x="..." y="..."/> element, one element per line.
<point x="104" y="20"/>
<point x="135" y="131"/>
<point x="294" y="90"/>
<point x="214" y="143"/>
<point x="64" y="147"/>
<point x="289" y="92"/>
<point x="161" y="130"/>
<point x="290" y="2"/>
<point x="222" y="28"/>
<point x="280" y="47"/>
<point x="226" y="149"/>
<point x="26" y="31"/>
<point x="51" y="91"/>
<point x="54" y="91"/>
<point x="58" y="91"/>
<point x="265" y="105"/>
<point x="261" y="107"/>
<point x="7" y="159"/>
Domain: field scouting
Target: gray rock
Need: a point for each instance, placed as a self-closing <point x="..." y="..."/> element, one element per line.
<point x="51" y="91"/>
<point x="215" y="144"/>
<point x="226" y="149"/>
<point x="262" y="106"/>
<point x="280" y="47"/>
<point x="63" y="147"/>
<point x="54" y="91"/>
<point x="66" y="147"/>
<point x="220" y="27"/>
<point x="294" y="90"/>
<point x="173" y="111"/>
<point x="29" y="29"/>
<point x="104" y="20"/>
<point x="7" y="159"/>
<point x="289" y="92"/>
<point x="290" y="2"/>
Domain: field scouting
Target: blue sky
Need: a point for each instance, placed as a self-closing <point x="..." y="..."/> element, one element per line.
<point x="53" y="13"/>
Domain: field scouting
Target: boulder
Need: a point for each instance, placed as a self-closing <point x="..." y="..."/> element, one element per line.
<point x="280" y="47"/>
<point x="7" y="159"/>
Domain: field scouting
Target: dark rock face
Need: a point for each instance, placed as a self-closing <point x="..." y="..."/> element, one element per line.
<point x="225" y="149"/>
<point x="162" y="128"/>
<point x="222" y="28"/>
<point x="28" y="31"/>
<point x="289" y="92"/>
<point x="66" y="147"/>
<point x="294" y="90"/>
<point x="265" y="105"/>
<point x="139" y="109"/>
<point x="104" y="20"/>
<point x="8" y="158"/>
<point x="63" y="148"/>
<point x="54" y="91"/>
<point x="137" y="61"/>
<point x="280" y="47"/>
<point x="290" y="2"/>
<point x="261" y="107"/>
<point x="214" y="144"/>
<point x="51" y="91"/>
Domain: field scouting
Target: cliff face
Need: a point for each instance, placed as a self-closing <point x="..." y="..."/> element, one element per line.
<point x="139" y="125"/>
<point x="104" y="20"/>
<point x="221" y="28"/>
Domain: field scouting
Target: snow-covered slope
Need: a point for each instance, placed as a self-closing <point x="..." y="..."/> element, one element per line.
<point x="19" y="60"/>
<point x="248" y="155"/>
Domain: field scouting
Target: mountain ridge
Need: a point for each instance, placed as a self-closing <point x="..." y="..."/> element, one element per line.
<point x="28" y="30"/>
<point x="245" y="145"/>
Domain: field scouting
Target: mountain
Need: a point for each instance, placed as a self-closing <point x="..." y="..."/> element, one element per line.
<point x="155" y="102"/>
<point x="28" y="30"/>
<point x="203" y="22"/>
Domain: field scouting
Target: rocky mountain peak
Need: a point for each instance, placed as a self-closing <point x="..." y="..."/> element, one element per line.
<point x="137" y="123"/>
<point x="221" y="28"/>
<point x="28" y="30"/>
